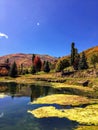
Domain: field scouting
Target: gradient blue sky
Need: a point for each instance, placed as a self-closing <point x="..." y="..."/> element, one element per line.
<point x="47" y="26"/>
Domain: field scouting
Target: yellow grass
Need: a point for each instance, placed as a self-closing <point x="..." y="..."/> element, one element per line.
<point x="62" y="99"/>
<point x="87" y="128"/>
<point x="88" y="115"/>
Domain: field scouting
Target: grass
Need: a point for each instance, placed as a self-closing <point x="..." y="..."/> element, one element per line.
<point x="28" y="78"/>
<point x="70" y="84"/>
<point x="63" y="99"/>
<point x="87" y="128"/>
<point x="85" y="116"/>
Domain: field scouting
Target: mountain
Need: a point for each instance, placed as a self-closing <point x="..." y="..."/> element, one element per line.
<point x="25" y="59"/>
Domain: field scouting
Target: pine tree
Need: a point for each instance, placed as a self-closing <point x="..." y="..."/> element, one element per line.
<point x="72" y="53"/>
<point x="33" y="57"/>
<point x="76" y="62"/>
<point x="33" y="70"/>
<point x="13" y="70"/>
<point x="46" y="67"/>
<point x="83" y="62"/>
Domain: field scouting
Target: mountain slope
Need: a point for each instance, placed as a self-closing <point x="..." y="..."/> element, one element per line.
<point x="89" y="52"/>
<point x="25" y="59"/>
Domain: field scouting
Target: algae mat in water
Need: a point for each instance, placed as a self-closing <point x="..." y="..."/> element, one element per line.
<point x="62" y="99"/>
<point x="87" y="115"/>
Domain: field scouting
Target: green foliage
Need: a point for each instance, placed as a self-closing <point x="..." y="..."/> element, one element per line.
<point x="76" y="62"/>
<point x="46" y="67"/>
<point x="33" y="70"/>
<point x="61" y="64"/>
<point x="13" y="70"/>
<point x="94" y="60"/>
<point x="72" y="53"/>
<point x="83" y="62"/>
<point x="33" y="57"/>
<point x="26" y="71"/>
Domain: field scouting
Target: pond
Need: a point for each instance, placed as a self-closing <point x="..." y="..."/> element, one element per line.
<point x="15" y="101"/>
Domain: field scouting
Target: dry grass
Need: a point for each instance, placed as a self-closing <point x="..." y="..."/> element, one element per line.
<point x="62" y="99"/>
<point x="87" y="128"/>
<point x="87" y="116"/>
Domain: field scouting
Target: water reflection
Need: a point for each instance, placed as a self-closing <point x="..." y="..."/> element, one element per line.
<point x="14" y="105"/>
<point x="38" y="91"/>
<point x="13" y="109"/>
<point x="32" y="91"/>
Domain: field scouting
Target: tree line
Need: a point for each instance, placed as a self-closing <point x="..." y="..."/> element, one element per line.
<point x="76" y="60"/>
<point x="37" y="66"/>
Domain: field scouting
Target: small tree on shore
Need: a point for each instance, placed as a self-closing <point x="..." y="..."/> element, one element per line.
<point x="72" y="53"/>
<point x="46" y="67"/>
<point x="13" y="70"/>
<point x="33" y="70"/>
<point x="83" y="62"/>
<point x="76" y="62"/>
<point x="33" y="57"/>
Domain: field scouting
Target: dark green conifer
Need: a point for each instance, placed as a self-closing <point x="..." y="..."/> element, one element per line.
<point x="13" y="70"/>
<point x="33" y="57"/>
<point x="72" y="53"/>
<point x="46" y="67"/>
<point x="83" y="62"/>
<point x="33" y="69"/>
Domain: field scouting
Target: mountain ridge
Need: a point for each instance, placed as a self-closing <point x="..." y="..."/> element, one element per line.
<point x="25" y="59"/>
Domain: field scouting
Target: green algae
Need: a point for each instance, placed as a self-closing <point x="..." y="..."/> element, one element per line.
<point x="87" y="115"/>
<point x="62" y="99"/>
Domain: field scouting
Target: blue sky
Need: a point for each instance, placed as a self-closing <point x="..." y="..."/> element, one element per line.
<point x="47" y="26"/>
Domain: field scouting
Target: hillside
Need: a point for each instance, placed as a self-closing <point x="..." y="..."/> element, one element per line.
<point x="25" y="59"/>
<point x="89" y="52"/>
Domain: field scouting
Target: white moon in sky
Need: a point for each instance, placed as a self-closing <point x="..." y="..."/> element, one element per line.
<point x="38" y="23"/>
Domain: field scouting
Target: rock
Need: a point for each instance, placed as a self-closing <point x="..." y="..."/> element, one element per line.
<point x="83" y="83"/>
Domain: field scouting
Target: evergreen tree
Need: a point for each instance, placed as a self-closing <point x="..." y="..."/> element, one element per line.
<point x="13" y="70"/>
<point x="76" y="62"/>
<point x="33" y="57"/>
<point x="94" y="60"/>
<point x="73" y="50"/>
<point x="83" y="62"/>
<point x="33" y="70"/>
<point x="46" y="67"/>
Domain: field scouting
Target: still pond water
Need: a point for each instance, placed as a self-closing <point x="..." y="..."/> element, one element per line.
<point x="15" y="102"/>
